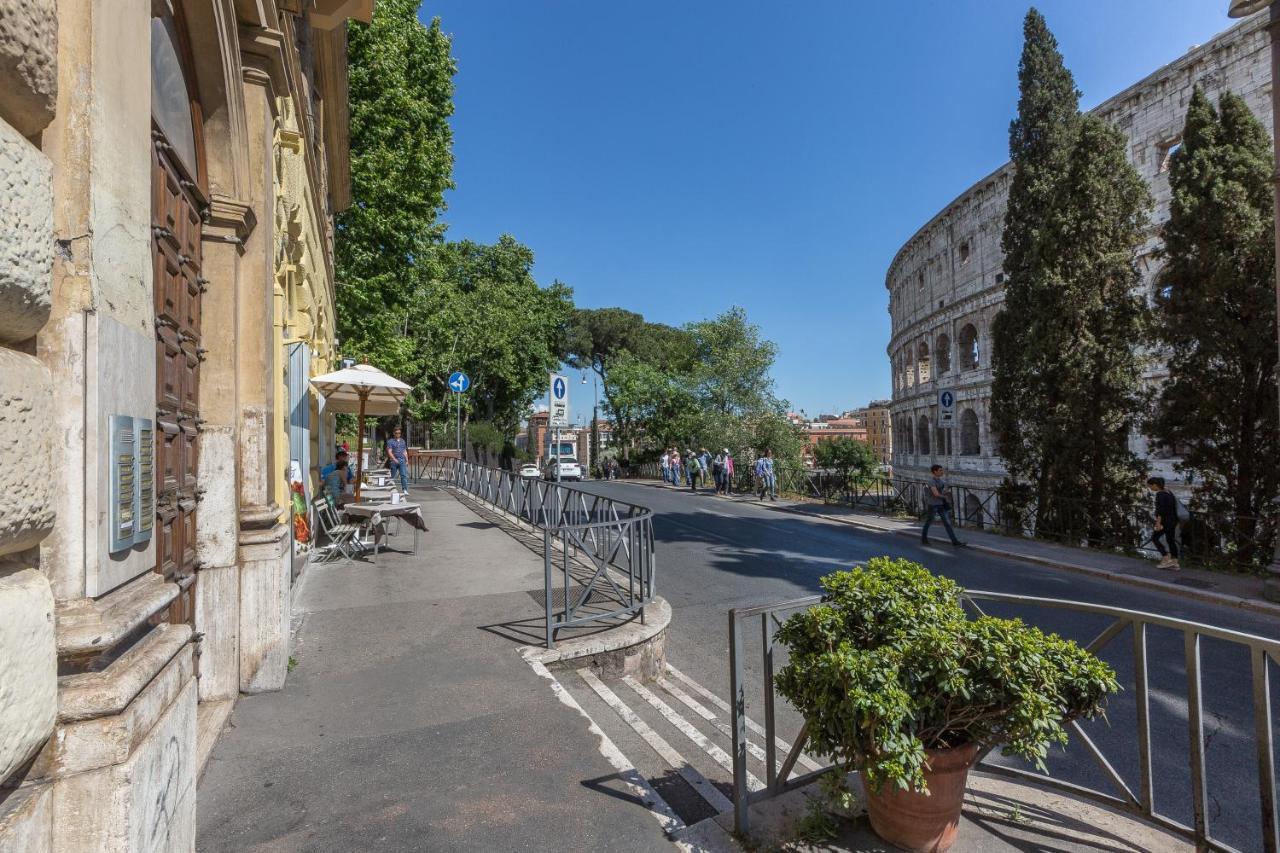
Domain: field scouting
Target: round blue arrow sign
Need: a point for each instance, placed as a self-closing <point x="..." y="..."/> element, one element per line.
<point x="558" y="388"/>
<point x="459" y="382"/>
<point x="947" y="399"/>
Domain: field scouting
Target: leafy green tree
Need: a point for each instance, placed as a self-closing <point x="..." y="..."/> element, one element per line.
<point x="852" y="462"/>
<point x="1066" y="390"/>
<point x="401" y="95"/>
<point x="596" y="338"/>
<point x="732" y="361"/>
<point x="482" y="312"/>
<point x="1216" y="316"/>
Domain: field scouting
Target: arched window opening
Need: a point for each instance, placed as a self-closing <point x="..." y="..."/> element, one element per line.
<point x="922" y="437"/>
<point x="911" y="446"/>
<point x="910" y="363"/>
<point x="969" y="442"/>
<point x="968" y="348"/>
<point x="922" y="358"/>
<point x="972" y="510"/>
<point x="942" y="354"/>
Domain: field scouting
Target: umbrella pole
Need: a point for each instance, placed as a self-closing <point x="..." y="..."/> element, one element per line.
<point x="364" y="395"/>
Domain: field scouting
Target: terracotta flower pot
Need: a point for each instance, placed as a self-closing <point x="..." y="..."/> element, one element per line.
<point x="924" y="823"/>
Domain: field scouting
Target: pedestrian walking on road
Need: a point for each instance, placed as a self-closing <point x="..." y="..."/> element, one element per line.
<point x="398" y="457"/>
<point x="675" y="467"/>
<point x="728" y="472"/>
<point x="1169" y="511"/>
<point x="695" y="471"/>
<point x="938" y="504"/>
<point x="665" y="465"/>
<point x="717" y="472"/>
<point x="690" y="460"/>
<point x="766" y="478"/>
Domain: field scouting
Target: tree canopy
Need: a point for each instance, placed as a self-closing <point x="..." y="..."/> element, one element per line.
<point x="1067" y="370"/>
<point x="1216" y="316"/>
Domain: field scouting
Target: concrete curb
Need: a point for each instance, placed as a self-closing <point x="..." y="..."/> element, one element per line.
<point x="1261" y="607"/>
<point x="625" y="638"/>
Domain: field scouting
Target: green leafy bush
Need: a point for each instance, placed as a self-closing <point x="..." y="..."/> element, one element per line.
<point x="890" y="665"/>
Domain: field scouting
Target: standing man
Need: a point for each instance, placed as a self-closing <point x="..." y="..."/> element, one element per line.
<point x="940" y="505"/>
<point x="1166" y="524"/>
<point x="717" y="472"/>
<point x="728" y="472"/>
<point x="398" y="454"/>
<point x="665" y="464"/>
<point x="766" y="480"/>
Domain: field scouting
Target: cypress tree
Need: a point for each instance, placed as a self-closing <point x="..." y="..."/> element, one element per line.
<point x="1216" y="317"/>
<point x="1039" y="143"/>
<point x="1066" y="390"/>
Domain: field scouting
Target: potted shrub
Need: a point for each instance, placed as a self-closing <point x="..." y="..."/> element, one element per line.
<point x="896" y="682"/>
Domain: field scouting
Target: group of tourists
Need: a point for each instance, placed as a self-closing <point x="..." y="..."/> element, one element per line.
<point x="698" y="469"/>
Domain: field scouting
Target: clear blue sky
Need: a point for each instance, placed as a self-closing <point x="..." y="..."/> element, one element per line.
<point x="679" y="158"/>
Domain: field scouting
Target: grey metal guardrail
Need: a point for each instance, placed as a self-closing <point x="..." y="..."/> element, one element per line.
<point x="598" y="552"/>
<point x="1117" y="793"/>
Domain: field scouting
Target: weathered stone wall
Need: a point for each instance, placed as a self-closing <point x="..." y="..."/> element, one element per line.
<point x="949" y="274"/>
<point x="28" y="644"/>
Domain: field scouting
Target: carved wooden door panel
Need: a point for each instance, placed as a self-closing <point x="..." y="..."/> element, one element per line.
<point x="176" y="234"/>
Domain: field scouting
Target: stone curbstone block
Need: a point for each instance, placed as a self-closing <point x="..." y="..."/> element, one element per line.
<point x="28" y="64"/>
<point x="26" y="235"/>
<point x="26" y="507"/>
<point x="28" y="667"/>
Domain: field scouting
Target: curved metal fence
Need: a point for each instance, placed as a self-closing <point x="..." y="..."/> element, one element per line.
<point x="1097" y="767"/>
<point x="598" y="552"/>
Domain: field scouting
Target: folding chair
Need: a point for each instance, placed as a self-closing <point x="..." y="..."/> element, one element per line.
<point x="341" y="535"/>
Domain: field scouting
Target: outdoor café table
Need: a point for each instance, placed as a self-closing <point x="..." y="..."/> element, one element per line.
<point x="376" y="493"/>
<point x="376" y="513"/>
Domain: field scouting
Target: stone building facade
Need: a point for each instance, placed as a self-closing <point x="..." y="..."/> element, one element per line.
<point x="946" y="285"/>
<point x="169" y="172"/>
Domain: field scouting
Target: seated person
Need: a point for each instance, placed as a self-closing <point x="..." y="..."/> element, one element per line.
<point x="336" y="479"/>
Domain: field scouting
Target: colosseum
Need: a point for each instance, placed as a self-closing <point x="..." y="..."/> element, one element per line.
<point x="946" y="284"/>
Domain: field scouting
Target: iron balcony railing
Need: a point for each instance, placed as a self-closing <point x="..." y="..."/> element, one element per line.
<point x="1137" y="797"/>
<point x="598" y="553"/>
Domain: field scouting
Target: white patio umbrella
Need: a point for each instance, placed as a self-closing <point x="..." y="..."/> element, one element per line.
<point x="364" y="390"/>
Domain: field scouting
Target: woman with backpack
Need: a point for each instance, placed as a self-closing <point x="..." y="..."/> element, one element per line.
<point x="695" y="470"/>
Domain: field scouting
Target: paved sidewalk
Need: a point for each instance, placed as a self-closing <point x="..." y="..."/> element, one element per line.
<point x="411" y="722"/>
<point x="1236" y="590"/>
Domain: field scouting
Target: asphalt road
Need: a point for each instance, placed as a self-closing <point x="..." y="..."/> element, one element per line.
<point x="715" y="554"/>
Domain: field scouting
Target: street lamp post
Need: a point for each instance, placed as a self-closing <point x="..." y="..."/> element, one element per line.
<point x="595" y="416"/>
<point x="1240" y="9"/>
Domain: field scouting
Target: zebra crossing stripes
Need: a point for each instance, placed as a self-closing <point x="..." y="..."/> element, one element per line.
<point x="807" y="761"/>
<point x="627" y="773"/>
<point x="718" y="755"/>
<point x="674" y="759"/>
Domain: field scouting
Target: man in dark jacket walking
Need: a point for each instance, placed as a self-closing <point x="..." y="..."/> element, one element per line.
<point x="1166" y="507"/>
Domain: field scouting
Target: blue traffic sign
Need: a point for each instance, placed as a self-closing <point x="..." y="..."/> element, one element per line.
<point x="947" y="399"/>
<point x="558" y="388"/>
<point x="459" y="382"/>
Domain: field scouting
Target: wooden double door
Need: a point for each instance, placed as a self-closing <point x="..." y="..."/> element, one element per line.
<point x="177" y="205"/>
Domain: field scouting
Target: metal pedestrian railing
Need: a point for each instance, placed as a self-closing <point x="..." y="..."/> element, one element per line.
<point x="1116" y="791"/>
<point x="598" y="552"/>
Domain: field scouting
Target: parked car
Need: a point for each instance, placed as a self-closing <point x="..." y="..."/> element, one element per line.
<point x="570" y="469"/>
<point x="530" y="471"/>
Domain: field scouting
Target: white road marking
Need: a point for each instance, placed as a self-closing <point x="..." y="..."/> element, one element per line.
<point x="718" y="755"/>
<point x="701" y="710"/>
<point x="807" y="760"/>
<point x="696" y="780"/>
<point x="638" y="785"/>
